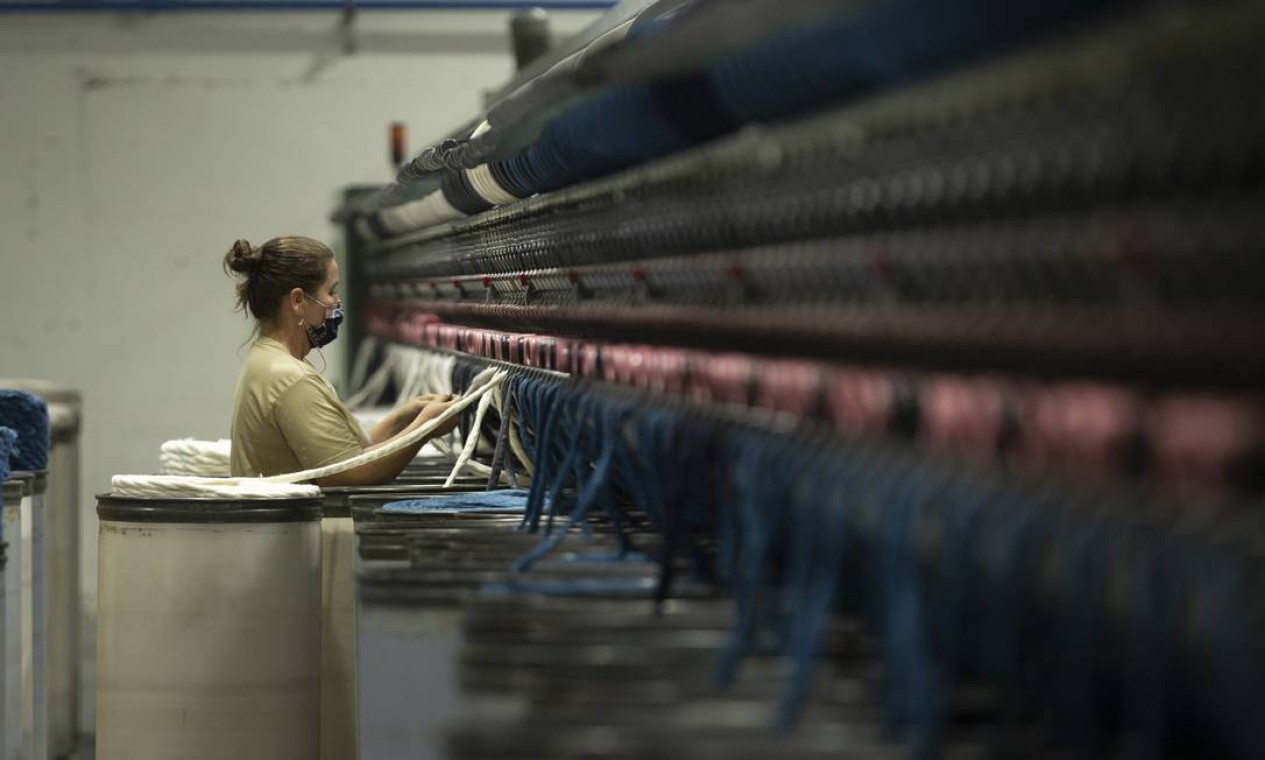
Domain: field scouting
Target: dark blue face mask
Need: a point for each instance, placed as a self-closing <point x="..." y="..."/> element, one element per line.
<point x="323" y="334"/>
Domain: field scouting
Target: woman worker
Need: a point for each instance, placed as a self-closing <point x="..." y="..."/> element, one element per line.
<point x="287" y="417"/>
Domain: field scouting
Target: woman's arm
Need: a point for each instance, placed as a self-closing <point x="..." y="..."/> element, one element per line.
<point x="401" y="417"/>
<point x="388" y="468"/>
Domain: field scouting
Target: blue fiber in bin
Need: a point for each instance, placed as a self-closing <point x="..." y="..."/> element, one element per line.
<point x="488" y="501"/>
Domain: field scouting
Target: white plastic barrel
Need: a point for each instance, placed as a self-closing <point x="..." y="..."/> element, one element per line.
<point x="408" y="676"/>
<point x="409" y="647"/>
<point x="63" y="515"/>
<point x="11" y="630"/>
<point x="35" y="616"/>
<point x="338" y="635"/>
<point x="339" y="653"/>
<point x="208" y="629"/>
<point x="18" y="724"/>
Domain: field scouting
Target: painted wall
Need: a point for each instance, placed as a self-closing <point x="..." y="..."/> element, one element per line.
<point x="134" y="150"/>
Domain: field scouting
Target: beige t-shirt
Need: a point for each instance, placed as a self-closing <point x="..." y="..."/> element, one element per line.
<point x="287" y="417"/>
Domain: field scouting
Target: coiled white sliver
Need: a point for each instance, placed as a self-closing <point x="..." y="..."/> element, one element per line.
<point x="411" y="363"/>
<point x="397" y="364"/>
<point x="415" y="215"/>
<point x="402" y="361"/>
<point x="360" y="366"/>
<point x="437" y="373"/>
<point x="488" y="188"/>
<point x="414" y="372"/>
<point x="188" y="487"/>
<point x="371" y="391"/>
<point x="152" y="486"/>
<point x="189" y="456"/>
<point x="410" y="367"/>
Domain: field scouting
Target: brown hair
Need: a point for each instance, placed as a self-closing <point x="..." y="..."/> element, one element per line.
<point x="275" y="268"/>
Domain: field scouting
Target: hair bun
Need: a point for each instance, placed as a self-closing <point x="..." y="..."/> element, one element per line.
<point x="242" y="258"/>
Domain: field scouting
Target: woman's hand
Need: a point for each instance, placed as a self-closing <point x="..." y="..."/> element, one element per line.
<point x="387" y="468"/>
<point x="406" y="412"/>
<point x="418" y="403"/>
<point x="436" y="406"/>
<point x="403" y="415"/>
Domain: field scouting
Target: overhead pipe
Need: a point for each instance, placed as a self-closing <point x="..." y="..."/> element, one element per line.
<point x="284" y="6"/>
<point x="529" y="32"/>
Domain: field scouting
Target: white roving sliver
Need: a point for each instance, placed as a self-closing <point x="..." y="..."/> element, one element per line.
<point x="189" y="487"/>
<point x="472" y="440"/>
<point x="151" y="486"/>
<point x="360" y="365"/>
<point x="190" y="456"/>
<point x="374" y="385"/>
<point x="445" y="449"/>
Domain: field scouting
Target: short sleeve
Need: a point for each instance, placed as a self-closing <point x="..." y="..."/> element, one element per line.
<point x="314" y="425"/>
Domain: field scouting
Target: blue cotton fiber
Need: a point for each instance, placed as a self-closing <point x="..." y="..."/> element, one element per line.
<point x="26" y="415"/>
<point x="488" y="501"/>
<point x="600" y="587"/>
<point x="798" y="70"/>
<point x="8" y="441"/>
<point x="8" y="444"/>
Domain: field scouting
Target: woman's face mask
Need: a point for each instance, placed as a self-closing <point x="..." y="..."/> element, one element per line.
<point x="323" y="334"/>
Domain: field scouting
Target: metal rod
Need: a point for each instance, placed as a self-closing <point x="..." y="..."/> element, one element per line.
<point x="1168" y="350"/>
<point x="517" y="369"/>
